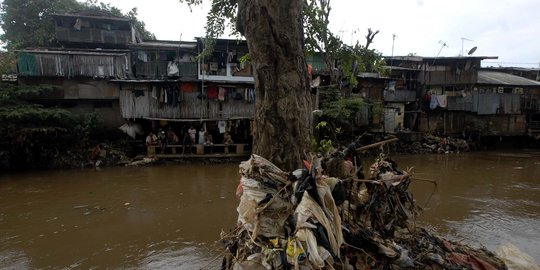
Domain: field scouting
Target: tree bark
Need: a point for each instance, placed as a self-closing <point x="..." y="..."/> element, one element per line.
<point x="283" y="120"/>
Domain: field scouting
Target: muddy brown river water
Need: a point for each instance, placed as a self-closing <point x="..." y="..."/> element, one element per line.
<point x="169" y="217"/>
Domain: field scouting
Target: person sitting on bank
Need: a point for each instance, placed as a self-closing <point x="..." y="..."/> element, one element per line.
<point x="227" y="139"/>
<point x="208" y="139"/>
<point x="192" y="133"/>
<point x="200" y="136"/>
<point x="171" y="137"/>
<point x="151" y="139"/>
<point x="187" y="142"/>
<point x="162" y="140"/>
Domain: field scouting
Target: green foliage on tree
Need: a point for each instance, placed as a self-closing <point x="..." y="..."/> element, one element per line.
<point x="222" y="15"/>
<point x="27" y="23"/>
<point x="318" y="38"/>
<point x="8" y="63"/>
<point x="344" y="109"/>
<point x="329" y="136"/>
<point x="37" y="136"/>
<point x="358" y="58"/>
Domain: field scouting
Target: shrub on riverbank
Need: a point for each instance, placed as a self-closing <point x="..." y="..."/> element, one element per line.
<point x="34" y="136"/>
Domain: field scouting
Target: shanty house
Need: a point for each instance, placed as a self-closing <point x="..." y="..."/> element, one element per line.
<point x="94" y="29"/>
<point x="458" y="95"/>
<point x="94" y="52"/>
<point x="81" y="77"/>
<point x="164" y="83"/>
<point x="172" y="85"/>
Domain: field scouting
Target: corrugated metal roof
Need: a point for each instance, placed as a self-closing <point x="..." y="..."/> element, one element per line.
<point x="96" y="52"/>
<point x="162" y="44"/>
<point x="107" y="18"/>
<point x="511" y="68"/>
<point x="401" y="68"/>
<point x="500" y="78"/>
<point x="416" y="58"/>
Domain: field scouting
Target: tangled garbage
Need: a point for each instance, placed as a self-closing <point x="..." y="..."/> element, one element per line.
<point x="429" y="144"/>
<point x="434" y="144"/>
<point x="309" y="219"/>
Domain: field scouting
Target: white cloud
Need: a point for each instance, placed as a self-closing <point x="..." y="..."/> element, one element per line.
<point x="168" y="19"/>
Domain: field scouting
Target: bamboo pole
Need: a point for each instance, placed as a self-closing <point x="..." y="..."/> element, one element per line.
<point x="373" y="145"/>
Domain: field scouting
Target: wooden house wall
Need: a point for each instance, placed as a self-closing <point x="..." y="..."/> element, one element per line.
<point x="449" y="72"/>
<point x="135" y="105"/>
<point x="74" y="88"/>
<point x="192" y="106"/>
<point x="362" y="116"/>
<point x="238" y="108"/>
<point x="456" y="122"/>
<point x="159" y="70"/>
<point x="487" y="103"/>
<point x="214" y="110"/>
<point x="132" y="107"/>
<point x="530" y="100"/>
<point x="399" y="95"/>
<point x="73" y="65"/>
<point x="448" y="77"/>
<point x="372" y="89"/>
<point x="459" y="103"/>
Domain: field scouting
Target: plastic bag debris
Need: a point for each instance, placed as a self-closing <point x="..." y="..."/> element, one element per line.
<point x="514" y="258"/>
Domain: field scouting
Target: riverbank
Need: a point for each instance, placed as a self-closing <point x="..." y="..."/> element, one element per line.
<point x="50" y="154"/>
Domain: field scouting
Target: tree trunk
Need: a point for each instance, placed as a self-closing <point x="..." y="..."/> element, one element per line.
<point x="275" y="37"/>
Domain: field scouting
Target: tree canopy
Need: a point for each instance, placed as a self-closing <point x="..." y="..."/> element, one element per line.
<point x="27" y="23"/>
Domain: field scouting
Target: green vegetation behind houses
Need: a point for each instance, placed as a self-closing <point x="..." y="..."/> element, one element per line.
<point x="27" y="23"/>
<point x="34" y="136"/>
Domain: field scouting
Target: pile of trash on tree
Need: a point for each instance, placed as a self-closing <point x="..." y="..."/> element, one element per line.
<point x="307" y="219"/>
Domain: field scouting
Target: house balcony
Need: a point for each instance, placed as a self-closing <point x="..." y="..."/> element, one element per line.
<point x="230" y="72"/>
<point x="166" y="69"/>
<point x="94" y="36"/>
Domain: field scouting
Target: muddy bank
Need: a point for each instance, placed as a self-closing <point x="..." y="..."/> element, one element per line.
<point x="56" y="148"/>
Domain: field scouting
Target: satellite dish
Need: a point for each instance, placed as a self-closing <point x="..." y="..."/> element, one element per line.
<point x="471" y="51"/>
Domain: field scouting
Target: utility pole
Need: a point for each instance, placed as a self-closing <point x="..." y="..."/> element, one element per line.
<point x="443" y="44"/>
<point x="393" y="40"/>
<point x="392" y="58"/>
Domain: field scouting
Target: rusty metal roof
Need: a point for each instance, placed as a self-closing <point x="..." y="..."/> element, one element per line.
<point x="107" y="18"/>
<point x="165" y="44"/>
<point x="500" y="78"/>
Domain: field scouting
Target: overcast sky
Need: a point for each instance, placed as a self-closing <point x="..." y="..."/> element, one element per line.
<point x="509" y="29"/>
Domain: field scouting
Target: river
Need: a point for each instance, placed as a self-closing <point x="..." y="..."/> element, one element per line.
<point x="170" y="216"/>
